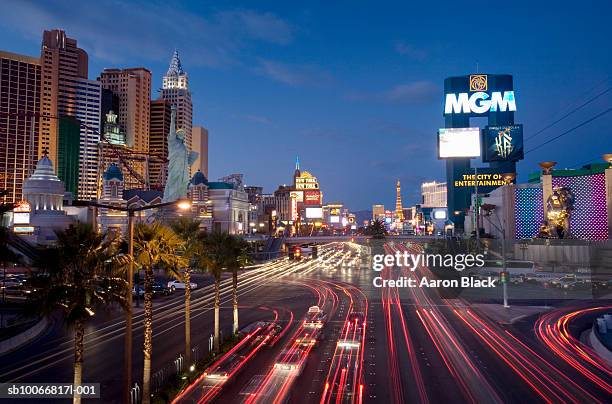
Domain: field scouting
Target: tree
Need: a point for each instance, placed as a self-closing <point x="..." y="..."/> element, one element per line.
<point x="376" y="229"/>
<point x="82" y="276"/>
<point x="188" y="230"/>
<point x="237" y="257"/>
<point x="213" y="256"/>
<point x="155" y="246"/>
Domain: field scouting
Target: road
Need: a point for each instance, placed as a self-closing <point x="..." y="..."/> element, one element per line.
<point x="375" y="345"/>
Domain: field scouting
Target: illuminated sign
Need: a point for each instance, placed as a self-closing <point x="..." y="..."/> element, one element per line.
<point x="479" y="82"/>
<point x="306" y="181"/>
<point x="23" y="229"/>
<point x="21" y="218"/>
<point x="334" y="219"/>
<point x="503" y="143"/>
<point x="297" y="195"/>
<point x="487" y="180"/>
<point x="314" y="213"/>
<point x="479" y="103"/>
<point x="458" y="142"/>
<point x="22" y="206"/>
<point x="439" y="214"/>
<point x="312" y="197"/>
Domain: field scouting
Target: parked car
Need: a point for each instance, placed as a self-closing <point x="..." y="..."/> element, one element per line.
<point x="141" y="291"/>
<point x="181" y="285"/>
<point x="159" y="289"/>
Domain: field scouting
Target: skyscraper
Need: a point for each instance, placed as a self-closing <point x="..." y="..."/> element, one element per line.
<point x="200" y="145"/>
<point x="81" y="99"/>
<point x="62" y="62"/>
<point x="159" y="124"/>
<point x="399" y="212"/>
<point x="378" y="212"/>
<point x="434" y="194"/>
<point x="19" y="106"/>
<point x="175" y="90"/>
<point x="133" y="89"/>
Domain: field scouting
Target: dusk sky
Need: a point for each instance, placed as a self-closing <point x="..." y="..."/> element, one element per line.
<point x="354" y="88"/>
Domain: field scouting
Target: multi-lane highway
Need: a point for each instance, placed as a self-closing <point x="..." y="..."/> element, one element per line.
<point x="318" y="331"/>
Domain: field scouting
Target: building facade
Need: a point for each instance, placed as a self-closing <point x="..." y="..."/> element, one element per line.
<point x="434" y="194"/>
<point x="81" y="99"/>
<point x="62" y="61"/>
<point x="159" y="127"/>
<point x="199" y="142"/>
<point x="20" y="83"/>
<point x="175" y="90"/>
<point x="132" y="87"/>
<point x="378" y="212"/>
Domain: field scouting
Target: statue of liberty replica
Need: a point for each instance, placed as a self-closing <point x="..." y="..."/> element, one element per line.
<point x="180" y="159"/>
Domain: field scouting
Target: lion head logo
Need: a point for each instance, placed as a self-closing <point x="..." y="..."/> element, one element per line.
<point x="478" y="82"/>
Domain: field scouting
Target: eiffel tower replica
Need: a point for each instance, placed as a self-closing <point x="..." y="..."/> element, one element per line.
<point x="399" y="212"/>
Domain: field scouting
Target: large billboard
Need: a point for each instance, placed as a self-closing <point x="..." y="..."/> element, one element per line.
<point x="314" y="213"/>
<point x="487" y="179"/>
<point x="312" y="197"/>
<point x="458" y="143"/>
<point x="503" y="143"/>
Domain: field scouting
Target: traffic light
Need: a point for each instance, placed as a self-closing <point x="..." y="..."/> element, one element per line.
<point x="504" y="276"/>
<point x="297" y="253"/>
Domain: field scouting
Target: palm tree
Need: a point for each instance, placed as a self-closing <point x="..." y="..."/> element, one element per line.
<point x="81" y="278"/>
<point x="213" y="257"/>
<point x="188" y="229"/>
<point x="377" y="229"/>
<point x="155" y="246"/>
<point x="237" y="257"/>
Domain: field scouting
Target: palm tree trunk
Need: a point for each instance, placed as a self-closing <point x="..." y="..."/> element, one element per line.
<point x="187" y="317"/>
<point x="148" y="335"/>
<point x="79" y="334"/>
<point x="235" y="299"/>
<point x="217" y="303"/>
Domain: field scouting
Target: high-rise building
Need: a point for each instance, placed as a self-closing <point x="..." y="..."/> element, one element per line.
<point x="159" y="124"/>
<point x="199" y="143"/>
<point x="434" y="194"/>
<point x="62" y="62"/>
<point x="81" y="99"/>
<point x="378" y="212"/>
<point x="19" y="136"/>
<point x="133" y="88"/>
<point x="399" y="212"/>
<point x="68" y="150"/>
<point x="175" y="90"/>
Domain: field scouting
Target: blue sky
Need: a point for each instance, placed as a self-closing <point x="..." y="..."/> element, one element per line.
<point x="354" y="88"/>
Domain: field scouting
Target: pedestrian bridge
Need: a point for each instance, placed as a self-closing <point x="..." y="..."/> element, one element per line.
<point x="356" y="239"/>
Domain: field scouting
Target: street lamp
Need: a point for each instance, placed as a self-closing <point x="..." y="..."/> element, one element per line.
<point x="182" y="204"/>
<point x="489" y="209"/>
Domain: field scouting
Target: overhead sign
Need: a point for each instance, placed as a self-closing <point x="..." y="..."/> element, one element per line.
<point x="503" y="143"/>
<point x="481" y="98"/>
<point x="458" y="143"/>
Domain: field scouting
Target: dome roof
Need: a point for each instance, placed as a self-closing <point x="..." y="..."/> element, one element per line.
<point x="199" y="178"/>
<point x="113" y="172"/>
<point x="44" y="170"/>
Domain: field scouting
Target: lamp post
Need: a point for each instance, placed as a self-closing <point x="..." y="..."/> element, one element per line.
<point x="181" y="204"/>
<point x="489" y="209"/>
